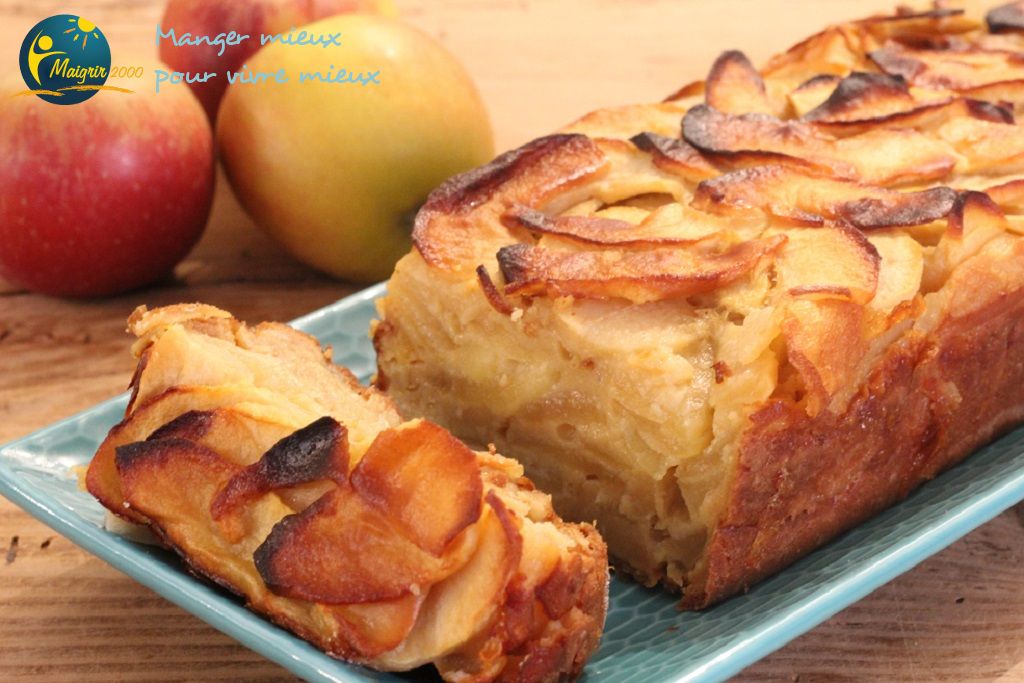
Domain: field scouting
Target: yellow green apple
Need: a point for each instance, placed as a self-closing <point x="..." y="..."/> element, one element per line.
<point x="334" y="171"/>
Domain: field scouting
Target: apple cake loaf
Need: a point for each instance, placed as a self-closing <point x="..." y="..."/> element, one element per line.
<point x="730" y="325"/>
<point x="273" y="473"/>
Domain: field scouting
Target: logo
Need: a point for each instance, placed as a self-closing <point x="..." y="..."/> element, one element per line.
<point x="65" y="59"/>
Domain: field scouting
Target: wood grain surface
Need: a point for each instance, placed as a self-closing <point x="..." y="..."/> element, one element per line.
<point x="65" y="615"/>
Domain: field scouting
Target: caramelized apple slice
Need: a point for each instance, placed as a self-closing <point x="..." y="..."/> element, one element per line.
<point x="669" y="224"/>
<point x="953" y="69"/>
<point x="735" y="87"/>
<point x="402" y="474"/>
<point x="975" y="217"/>
<point x="675" y="156"/>
<point x="760" y="139"/>
<point x="495" y="297"/>
<point x="445" y="235"/>
<point x="863" y="95"/>
<point x="1008" y="18"/>
<point x="1004" y="92"/>
<point x="389" y="533"/>
<point x="170" y="470"/>
<point x="812" y="93"/>
<point x="344" y="550"/>
<point x="926" y="117"/>
<point x="235" y="435"/>
<point x="638" y="276"/>
<point x="462" y="605"/>
<point x="791" y="194"/>
<point x="833" y="262"/>
<point x="171" y="482"/>
<point x="148" y="325"/>
<point x="318" y="451"/>
<point x="590" y="229"/>
<point x="239" y="438"/>
<point x="237" y="430"/>
<point x="371" y="629"/>
<point x="878" y="157"/>
<point x="315" y="454"/>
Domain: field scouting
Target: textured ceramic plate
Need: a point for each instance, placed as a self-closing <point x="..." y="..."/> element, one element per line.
<point x="646" y="639"/>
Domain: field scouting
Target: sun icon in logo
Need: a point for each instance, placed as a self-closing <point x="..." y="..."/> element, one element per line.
<point x="82" y="28"/>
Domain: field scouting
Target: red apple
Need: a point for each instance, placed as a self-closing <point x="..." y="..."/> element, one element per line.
<point x="211" y="18"/>
<point x="102" y="196"/>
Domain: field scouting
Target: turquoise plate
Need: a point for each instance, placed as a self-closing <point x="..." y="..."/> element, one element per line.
<point x="646" y="639"/>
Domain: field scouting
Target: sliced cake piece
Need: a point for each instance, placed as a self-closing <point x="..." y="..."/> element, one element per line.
<point x="273" y="473"/>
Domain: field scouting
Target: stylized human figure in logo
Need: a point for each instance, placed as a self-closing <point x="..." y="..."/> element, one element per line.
<point x="35" y="58"/>
<point x="65" y="59"/>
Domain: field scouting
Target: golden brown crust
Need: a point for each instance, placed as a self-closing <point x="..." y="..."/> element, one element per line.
<point x="929" y="403"/>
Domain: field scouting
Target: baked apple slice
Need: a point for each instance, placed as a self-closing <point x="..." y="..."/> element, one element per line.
<point x="256" y="421"/>
<point x="151" y="472"/>
<point x="882" y="157"/>
<point x="928" y="116"/>
<point x="170" y="482"/>
<point x="462" y="605"/>
<point x="675" y="156"/>
<point x="342" y="550"/>
<point x="1009" y="196"/>
<point x="734" y="86"/>
<point x="900" y="268"/>
<point x="974" y="221"/>
<point x="952" y="69"/>
<point x="790" y="194"/>
<point x="670" y="224"/>
<point x="831" y="262"/>
<point x="825" y="340"/>
<point x="812" y="93"/>
<point x="312" y="458"/>
<point x="863" y="95"/>
<point x="401" y="473"/>
<point x="638" y="276"/>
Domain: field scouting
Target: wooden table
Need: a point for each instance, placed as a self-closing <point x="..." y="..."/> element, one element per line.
<point x="65" y="615"/>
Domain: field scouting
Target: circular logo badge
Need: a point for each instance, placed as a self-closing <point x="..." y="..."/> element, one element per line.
<point x="65" y="59"/>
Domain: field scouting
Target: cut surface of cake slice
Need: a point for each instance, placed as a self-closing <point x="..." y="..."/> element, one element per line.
<point x="733" y="324"/>
<point x="385" y="542"/>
